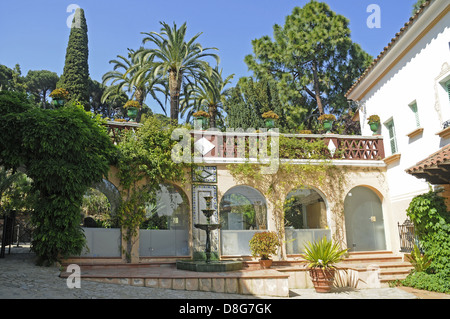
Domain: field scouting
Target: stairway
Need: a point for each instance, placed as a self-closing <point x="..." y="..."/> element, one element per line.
<point x="391" y="267"/>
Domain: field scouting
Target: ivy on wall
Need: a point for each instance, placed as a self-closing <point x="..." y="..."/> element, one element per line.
<point x="144" y="163"/>
<point x="431" y="220"/>
<point x="330" y="179"/>
<point x="64" y="151"/>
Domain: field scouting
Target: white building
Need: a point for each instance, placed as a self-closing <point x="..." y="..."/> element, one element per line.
<point x="408" y="87"/>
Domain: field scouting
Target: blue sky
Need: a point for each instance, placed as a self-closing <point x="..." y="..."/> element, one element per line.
<point x="34" y="33"/>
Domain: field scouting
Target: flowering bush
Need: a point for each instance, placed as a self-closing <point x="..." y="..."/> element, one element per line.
<point x="59" y="94"/>
<point x="264" y="244"/>
<point x="270" y="115"/>
<point x="327" y="117"/>
<point x="200" y="114"/>
<point x="132" y="104"/>
<point x="374" y="119"/>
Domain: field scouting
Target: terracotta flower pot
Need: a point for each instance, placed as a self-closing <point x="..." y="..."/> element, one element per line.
<point x="265" y="263"/>
<point x="322" y="279"/>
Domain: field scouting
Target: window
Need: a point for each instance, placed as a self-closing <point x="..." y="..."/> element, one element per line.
<point x="447" y="85"/>
<point x="392" y="139"/>
<point x="413" y="107"/>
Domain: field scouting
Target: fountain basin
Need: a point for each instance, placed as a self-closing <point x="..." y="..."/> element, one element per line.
<point x="211" y="266"/>
<point x="207" y="227"/>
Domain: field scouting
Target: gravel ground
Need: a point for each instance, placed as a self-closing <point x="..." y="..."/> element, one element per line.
<point x="20" y="278"/>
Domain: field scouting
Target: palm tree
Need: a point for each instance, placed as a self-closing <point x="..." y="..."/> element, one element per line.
<point x="128" y="75"/>
<point x="175" y="60"/>
<point x="209" y="95"/>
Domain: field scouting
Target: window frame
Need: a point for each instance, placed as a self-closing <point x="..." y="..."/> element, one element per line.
<point x="415" y="109"/>
<point x="390" y="126"/>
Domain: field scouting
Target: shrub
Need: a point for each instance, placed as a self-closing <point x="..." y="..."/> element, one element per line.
<point x="373" y="119"/>
<point x="430" y="282"/>
<point x="264" y="244"/>
<point x="431" y="220"/>
<point x="327" y="117"/>
<point x="270" y="115"/>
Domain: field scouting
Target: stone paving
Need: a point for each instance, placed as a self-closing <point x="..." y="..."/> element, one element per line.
<point x="20" y="278"/>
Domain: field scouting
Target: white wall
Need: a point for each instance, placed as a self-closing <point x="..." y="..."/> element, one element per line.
<point x="416" y="77"/>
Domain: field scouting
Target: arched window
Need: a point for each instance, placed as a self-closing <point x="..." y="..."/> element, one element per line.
<point x="100" y="224"/>
<point x="166" y="227"/>
<point x="242" y="212"/>
<point x="243" y="208"/>
<point x="305" y="219"/>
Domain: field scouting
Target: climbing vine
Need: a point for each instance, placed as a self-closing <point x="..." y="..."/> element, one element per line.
<point x="64" y="151"/>
<point x="323" y="175"/>
<point x="144" y="163"/>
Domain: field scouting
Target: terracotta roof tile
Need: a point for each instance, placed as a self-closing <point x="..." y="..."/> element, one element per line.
<point x="389" y="46"/>
<point x="440" y="157"/>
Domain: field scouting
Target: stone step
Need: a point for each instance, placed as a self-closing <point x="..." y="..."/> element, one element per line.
<point x="372" y="257"/>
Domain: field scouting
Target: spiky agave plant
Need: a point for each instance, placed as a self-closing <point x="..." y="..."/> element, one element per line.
<point x="419" y="261"/>
<point x="323" y="253"/>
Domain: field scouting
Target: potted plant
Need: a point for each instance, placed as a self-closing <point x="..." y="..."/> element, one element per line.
<point x="269" y="119"/>
<point x="374" y="123"/>
<point x="59" y="96"/>
<point x="327" y="121"/>
<point x="322" y="257"/>
<point x="132" y="109"/>
<point x="264" y="244"/>
<point x="201" y="118"/>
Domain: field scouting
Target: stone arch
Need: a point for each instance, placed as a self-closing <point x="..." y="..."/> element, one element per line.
<point x="244" y="195"/>
<point x="306" y="218"/>
<point x="242" y="213"/>
<point x="112" y="195"/>
<point x="165" y="231"/>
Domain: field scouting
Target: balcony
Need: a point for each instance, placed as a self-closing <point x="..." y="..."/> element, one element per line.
<point x="236" y="147"/>
<point x="210" y="146"/>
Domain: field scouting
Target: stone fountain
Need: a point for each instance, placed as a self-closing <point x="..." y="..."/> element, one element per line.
<point x="208" y="265"/>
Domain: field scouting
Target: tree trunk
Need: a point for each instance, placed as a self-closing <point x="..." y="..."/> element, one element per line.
<point x="174" y="90"/>
<point x="139" y="95"/>
<point x="212" y="116"/>
<point x="316" y="87"/>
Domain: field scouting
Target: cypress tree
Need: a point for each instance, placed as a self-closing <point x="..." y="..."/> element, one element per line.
<point x="75" y="78"/>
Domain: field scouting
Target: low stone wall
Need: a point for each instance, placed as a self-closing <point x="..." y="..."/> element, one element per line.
<point x="275" y="285"/>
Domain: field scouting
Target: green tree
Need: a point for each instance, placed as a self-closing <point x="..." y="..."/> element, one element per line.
<point x="12" y="79"/>
<point x="75" y="77"/>
<point x="249" y="99"/>
<point x="40" y="84"/>
<point x="144" y="163"/>
<point x="176" y="60"/>
<point x="208" y="94"/>
<point x="109" y="107"/>
<point x="64" y="151"/>
<point x="131" y="75"/>
<point x="5" y="77"/>
<point x="310" y="58"/>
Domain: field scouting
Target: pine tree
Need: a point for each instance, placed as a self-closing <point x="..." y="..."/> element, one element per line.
<point x="75" y="78"/>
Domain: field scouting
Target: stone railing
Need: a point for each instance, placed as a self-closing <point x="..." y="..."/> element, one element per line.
<point x="234" y="146"/>
<point x="243" y="145"/>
